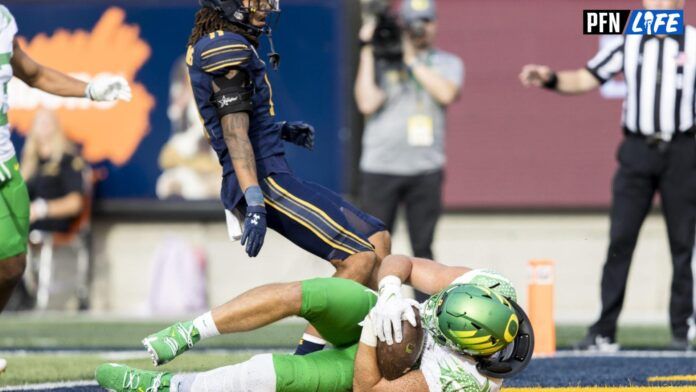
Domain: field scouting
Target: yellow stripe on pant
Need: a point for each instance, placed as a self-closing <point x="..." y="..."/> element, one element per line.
<point x="329" y="230"/>
<point x="316" y="210"/>
<point x="310" y="226"/>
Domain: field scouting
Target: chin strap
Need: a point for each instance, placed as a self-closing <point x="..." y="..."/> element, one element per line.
<point x="273" y="56"/>
<point x="514" y="358"/>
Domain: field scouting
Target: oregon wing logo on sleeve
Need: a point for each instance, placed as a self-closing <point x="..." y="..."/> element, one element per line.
<point x="106" y="130"/>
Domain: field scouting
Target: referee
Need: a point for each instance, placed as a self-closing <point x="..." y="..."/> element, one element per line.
<point x="658" y="153"/>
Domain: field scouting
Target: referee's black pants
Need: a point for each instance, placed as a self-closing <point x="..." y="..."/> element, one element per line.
<point x="643" y="170"/>
<point x="421" y="195"/>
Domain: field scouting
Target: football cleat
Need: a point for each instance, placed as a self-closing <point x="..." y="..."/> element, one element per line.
<point x="121" y="378"/>
<point x="170" y="342"/>
<point x="597" y="343"/>
<point x="680" y="345"/>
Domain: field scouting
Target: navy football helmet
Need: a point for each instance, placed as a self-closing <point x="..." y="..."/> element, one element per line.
<point x="239" y="15"/>
<point x="235" y="11"/>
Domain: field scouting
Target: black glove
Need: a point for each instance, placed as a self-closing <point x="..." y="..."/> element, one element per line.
<point x="298" y="133"/>
<point x="254" y="229"/>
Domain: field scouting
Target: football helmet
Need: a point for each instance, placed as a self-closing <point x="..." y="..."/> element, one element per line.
<point x="238" y="14"/>
<point x="474" y="320"/>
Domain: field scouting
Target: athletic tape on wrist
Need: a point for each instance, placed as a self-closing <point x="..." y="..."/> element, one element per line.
<point x="41" y="208"/>
<point x="367" y="336"/>
<point x="253" y="196"/>
<point x="88" y="93"/>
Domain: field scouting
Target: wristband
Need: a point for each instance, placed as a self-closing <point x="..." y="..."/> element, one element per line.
<point x="367" y="336"/>
<point x="552" y="83"/>
<point x="88" y="94"/>
<point x="40" y="208"/>
<point x="253" y="196"/>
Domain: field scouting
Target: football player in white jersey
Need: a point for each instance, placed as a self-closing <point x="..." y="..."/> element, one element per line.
<point x="475" y="335"/>
<point x="14" y="199"/>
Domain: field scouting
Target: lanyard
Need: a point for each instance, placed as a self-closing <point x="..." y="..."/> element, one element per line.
<point x="421" y="94"/>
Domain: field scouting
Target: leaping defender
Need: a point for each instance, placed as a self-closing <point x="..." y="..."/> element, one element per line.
<point x="235" y="100"/>
<point x="475" y="335"/>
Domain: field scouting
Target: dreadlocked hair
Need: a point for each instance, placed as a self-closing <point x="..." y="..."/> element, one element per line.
<point x="208" y="20"/>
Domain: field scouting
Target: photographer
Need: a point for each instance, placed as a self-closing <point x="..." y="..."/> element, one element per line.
<point x="404" y="102"/>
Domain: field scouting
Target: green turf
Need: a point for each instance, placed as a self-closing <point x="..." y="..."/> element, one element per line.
<point x="82" y="332"/>
<point x="79" y="332"/>
<point x="40" y="368"/>
<point x="55" y="332"/>
<point x="646" y="337"/>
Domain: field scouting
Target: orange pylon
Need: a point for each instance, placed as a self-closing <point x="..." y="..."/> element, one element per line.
<point x="540" y="306"/>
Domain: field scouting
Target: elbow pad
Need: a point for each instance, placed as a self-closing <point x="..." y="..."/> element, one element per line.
<point x="234" y="95"/>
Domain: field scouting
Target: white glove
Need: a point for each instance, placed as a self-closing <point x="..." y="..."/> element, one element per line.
<point x="390" y="310"/>
<point x="5" y="173"/>
<point x="108" y="88"/>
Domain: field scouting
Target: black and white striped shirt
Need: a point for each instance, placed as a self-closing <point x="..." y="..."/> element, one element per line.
<point x="660" y="75"/>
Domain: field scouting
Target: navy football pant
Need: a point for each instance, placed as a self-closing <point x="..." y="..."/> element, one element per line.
<point x="316" y="219"/>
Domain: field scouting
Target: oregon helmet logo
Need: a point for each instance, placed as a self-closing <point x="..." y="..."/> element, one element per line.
<point x="511" y="329"/>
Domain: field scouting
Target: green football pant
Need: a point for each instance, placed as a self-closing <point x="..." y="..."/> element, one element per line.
<point x="14" y="214"/>
<point x="334" y="306"/>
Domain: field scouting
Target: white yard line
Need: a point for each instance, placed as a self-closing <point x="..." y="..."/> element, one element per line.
<point x="621" y="354"/>
<point x="51" y="385"/>
<point x="134" y="354"/>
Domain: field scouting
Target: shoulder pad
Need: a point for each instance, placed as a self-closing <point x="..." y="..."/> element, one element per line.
<point x="222" y="50"/>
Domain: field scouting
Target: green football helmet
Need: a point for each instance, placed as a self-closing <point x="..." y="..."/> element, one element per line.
<point x="473" y="319"/>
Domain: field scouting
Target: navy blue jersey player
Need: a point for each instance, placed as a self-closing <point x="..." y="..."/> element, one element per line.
<point x="235" y="100"/>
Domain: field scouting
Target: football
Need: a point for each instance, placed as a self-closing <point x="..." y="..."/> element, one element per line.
<point x="399" y="358"/>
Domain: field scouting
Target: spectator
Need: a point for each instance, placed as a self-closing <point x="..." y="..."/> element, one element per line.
<point x="54" y="173"/>
<point x="190" y="168"/>
<point x="403" y="143"/>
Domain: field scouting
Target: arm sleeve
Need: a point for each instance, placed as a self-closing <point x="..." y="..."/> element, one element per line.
<point x="608" y="61"/>
<point x="71" y="174"/>
<point x="224" y="52"/>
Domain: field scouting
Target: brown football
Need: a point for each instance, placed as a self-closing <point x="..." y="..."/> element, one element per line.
<point x="398" y="359"/>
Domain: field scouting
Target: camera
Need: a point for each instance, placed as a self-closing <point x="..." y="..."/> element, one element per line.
<point x="386" y="41"/>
